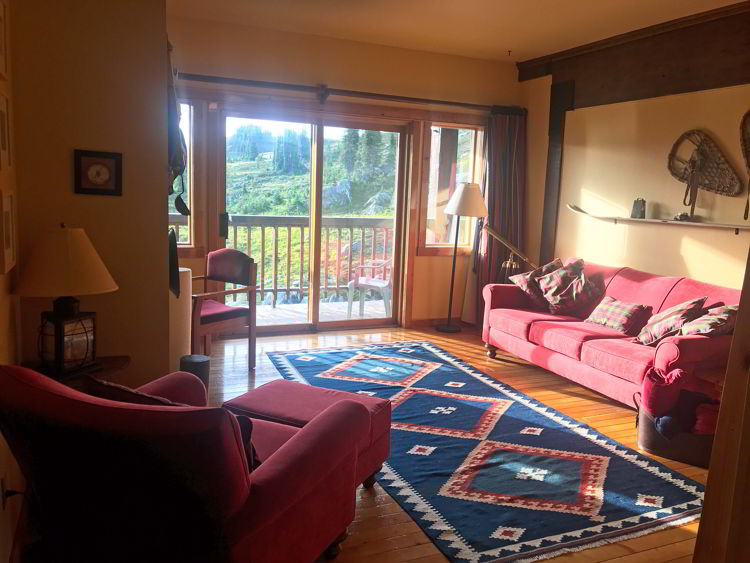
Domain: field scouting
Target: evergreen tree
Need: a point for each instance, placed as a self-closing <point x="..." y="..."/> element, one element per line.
<point x="370" y="153"/>
<point x="349" y="152"/>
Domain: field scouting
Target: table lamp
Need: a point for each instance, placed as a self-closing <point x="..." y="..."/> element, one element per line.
<point x="466" y="201"/>
<point x="64" y="263"/>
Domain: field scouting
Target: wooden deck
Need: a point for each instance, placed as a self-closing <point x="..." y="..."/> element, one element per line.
<point x="296" y="313"/>
<point x="382" y="532"/>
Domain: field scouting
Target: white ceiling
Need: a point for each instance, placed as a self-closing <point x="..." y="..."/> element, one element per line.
<point x="475" y="28"/>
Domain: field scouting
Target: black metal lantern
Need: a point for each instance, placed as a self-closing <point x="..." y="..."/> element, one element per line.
<point x="67" y="339"/>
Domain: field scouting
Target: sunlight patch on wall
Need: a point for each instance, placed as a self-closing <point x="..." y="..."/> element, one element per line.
<point x="599" y="241"/>
<point x="712" y="262"/>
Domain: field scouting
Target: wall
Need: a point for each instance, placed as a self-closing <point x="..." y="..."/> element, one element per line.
<point x="92" y="75"/>
<point x="618" y="152"/>
<point x="536" y="96"/>
<point x="259" y="54"/>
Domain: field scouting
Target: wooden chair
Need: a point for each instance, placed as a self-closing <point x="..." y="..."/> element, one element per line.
<point x="363" y="283"/>
<point x="210" y="315"/>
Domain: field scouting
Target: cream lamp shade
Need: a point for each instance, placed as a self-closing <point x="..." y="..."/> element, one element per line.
<point x="466" y="201"/>
<point x="63" y="262"/>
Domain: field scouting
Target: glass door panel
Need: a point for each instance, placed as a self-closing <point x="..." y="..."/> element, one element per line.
<point x="360" y="178"/>
<point x="267" y="187"/>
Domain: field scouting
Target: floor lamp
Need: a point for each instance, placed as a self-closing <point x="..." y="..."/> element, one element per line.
<point x="466" y="201"/>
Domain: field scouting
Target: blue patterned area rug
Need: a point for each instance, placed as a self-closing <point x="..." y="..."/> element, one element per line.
<point x="489" y="473"/>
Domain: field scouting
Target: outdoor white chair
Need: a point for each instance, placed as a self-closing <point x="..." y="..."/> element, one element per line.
<point x="363" y="283"/>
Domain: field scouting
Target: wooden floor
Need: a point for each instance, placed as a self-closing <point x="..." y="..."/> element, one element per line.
<point x="296" y="313"/>
<point x="382" y="532"/>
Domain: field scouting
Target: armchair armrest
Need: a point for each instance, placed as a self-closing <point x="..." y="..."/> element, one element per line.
<point x="179" y="387"/>
<point x="500" y="296"/>
<point x="682" y="351"/>
<point x="306" y="463"/>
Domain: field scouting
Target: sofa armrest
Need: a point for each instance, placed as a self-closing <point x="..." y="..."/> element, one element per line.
<point x="306" y="462"/>
<point x="684" y="351"/>
<point x="500" y="296"/>
<point x="179" y="387"/>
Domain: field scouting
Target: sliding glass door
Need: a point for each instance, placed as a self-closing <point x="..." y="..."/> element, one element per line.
<point x="270" y="198"/>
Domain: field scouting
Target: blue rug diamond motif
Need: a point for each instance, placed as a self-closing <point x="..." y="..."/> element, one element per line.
<point x="380" y="369"/>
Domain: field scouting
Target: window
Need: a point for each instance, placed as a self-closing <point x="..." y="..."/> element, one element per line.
<point x="453" y="157"/>
<point x="182" y="224"/>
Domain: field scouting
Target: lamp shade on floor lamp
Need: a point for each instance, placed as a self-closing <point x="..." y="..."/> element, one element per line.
<point x="466" y="201"/>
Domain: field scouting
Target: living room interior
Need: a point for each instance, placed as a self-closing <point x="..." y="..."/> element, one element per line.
<point x="527" y="335"/>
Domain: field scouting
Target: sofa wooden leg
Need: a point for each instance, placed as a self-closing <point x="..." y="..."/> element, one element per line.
<point x="369" y="483"/>
<point x="333" y="550"/>
<point x="491" y="351"/>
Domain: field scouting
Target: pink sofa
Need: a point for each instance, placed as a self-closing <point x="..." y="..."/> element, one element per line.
<point x="601" y="358"/>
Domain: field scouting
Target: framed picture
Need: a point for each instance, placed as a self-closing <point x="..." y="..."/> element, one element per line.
<point x="7" y="231"/>
<point x="98" y="173"/>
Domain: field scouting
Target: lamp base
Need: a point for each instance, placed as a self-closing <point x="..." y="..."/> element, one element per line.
<point x="448" y="328"/>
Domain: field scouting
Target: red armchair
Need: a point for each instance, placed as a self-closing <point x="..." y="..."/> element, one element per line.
<point x="112" y="481"/>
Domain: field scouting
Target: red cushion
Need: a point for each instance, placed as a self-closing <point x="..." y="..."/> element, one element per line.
<point x="634" y="286"/>
<point x="114" y="392"/>
<point x="568" y="337"/>
<point x="296" y="404"/>
<point x="622" y="357"/>
<point x="688" y="289"/>
<point x="517" y="322"/>
<point x="213" y="311"/>
<point x="270" y="436"/>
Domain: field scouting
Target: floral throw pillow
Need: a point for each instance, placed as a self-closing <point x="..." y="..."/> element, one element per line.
<point x="719" y="320"/>
<point x="627" y="318"/>
<point x="528" y="284"/>
<point x="669" y="322"/>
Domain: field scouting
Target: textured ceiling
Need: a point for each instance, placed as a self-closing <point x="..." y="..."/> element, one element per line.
<point x="485" y="29"/>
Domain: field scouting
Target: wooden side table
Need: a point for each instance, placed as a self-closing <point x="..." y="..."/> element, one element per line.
<point x="104" y="368"/>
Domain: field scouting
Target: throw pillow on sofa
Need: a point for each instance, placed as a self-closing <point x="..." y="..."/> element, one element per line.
<point x="627" y="318"/>
<point x="669" y="322"/>
<point x="719" y="320"/>
<point x="528" y="284"/>
<point x="568" y="290"/>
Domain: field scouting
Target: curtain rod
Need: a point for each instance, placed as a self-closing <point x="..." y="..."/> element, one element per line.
<point x="323" y="91"/>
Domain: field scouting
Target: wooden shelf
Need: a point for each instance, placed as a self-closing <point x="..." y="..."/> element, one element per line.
<point x="616" y="220"/>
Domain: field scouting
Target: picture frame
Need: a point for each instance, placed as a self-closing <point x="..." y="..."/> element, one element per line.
<point x="7" y="231"/>
<point x="97" y="172"/>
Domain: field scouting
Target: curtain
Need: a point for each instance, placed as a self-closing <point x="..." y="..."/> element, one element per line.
<point x="504" y="189"/>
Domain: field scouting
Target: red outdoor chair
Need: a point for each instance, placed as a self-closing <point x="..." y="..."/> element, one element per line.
<point x="120" y="482"/>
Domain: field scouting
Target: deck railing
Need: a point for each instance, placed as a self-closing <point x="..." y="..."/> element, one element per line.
<point x="280" y="246"/>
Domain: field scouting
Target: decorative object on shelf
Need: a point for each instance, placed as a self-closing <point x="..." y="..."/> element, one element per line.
<point x="745" y="143"/>
<point x="63" y="263"/>
<point x="97" y="172"/>
<point x="639" y="209"/>
<point x="466" y="201"/>
<point x="7" y="231"/>
<point x="510" y="267"/>
<point x="706" y="167"/>
<point x="676" y="221"/>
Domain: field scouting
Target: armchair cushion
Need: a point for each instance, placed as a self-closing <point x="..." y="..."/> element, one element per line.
<point x="180" y="387"/>
<point x="114" y="392"/>
<point x="213" y="311"/>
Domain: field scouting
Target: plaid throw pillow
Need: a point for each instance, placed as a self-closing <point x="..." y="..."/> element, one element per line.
<point x="578" y="296"/>
<point x="555" y="283"/>
<point x="627" y="318"/>
<point x="669" y="322"/>
<point x="528" y="284"/>
<point x="719" y="320"/>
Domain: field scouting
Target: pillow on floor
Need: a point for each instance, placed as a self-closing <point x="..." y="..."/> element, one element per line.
<point x="669" y="322"/>
<point x="719" y="320"/>
<point x="627" y="318"/>
<point x="528" y="284"/>
<point x="114" y="392"/>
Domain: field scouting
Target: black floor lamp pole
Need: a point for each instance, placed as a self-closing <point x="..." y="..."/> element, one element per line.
<point x="448" y="327"/>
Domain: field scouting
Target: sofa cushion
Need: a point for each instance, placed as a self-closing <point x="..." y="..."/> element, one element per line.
<point x="687" y="289"/>
<point x="517" y="322"/>
<point x="627" y="318"/>
<point x="622" y="357"/>
<point x="528" y="284"/>
<point x="635" y="286"/>
<point x="670" y="321"/>
<point x="270" y="436"/>
<point x="568" y="337"/>
<point x="719" y="320"/>
<point x="577" y="298"/>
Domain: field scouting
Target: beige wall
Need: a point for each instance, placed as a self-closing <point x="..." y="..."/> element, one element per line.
<point x="258" y="54"/>
<point x="92" y="75"/>
<point x="536" y="96"/>
<point x="615" y="153"/>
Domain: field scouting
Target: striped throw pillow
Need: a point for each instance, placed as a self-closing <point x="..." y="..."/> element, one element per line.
<point x="719" y="320"/>
<point x="528" y="284"/>
<point x="627" y="318"/>
<point x="669" y="322"/>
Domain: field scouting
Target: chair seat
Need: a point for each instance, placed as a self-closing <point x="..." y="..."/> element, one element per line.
<point x="213" y="311"/>
<point x="373" y="283"/>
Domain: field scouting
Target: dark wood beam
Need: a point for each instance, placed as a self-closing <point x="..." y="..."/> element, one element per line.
<point x="561" y="101"/>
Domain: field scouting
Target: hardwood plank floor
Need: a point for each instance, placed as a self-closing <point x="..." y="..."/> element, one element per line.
<point x="382" y="532"/>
